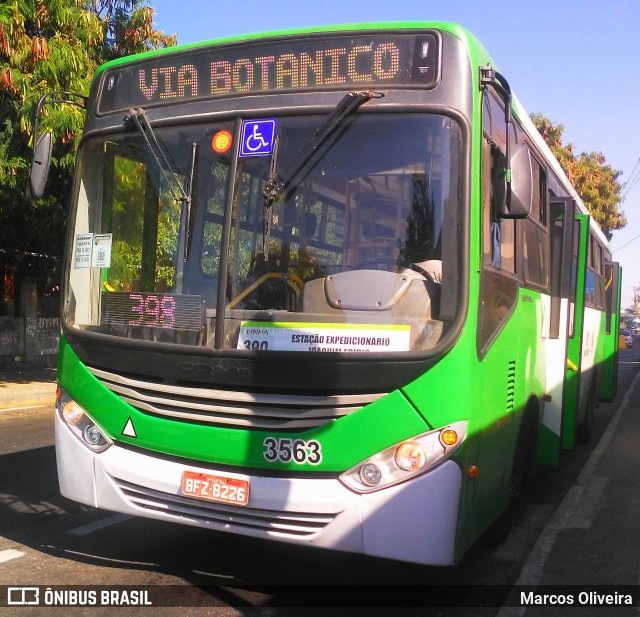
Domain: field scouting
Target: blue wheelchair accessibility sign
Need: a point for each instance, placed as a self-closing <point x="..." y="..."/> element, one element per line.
<point x="257" y="137"/>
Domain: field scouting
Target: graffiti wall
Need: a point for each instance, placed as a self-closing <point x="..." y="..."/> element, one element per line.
<point x="33" y="330"/>
<point x="29" y="336"/>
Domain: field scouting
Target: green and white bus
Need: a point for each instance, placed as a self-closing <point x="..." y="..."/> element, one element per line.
<point x="324" y="286"/>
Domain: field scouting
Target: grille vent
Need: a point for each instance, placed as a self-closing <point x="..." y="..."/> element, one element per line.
<point x="265" y="522"/>
<point x="230" y="408"/>
<point x="511" y="384"/>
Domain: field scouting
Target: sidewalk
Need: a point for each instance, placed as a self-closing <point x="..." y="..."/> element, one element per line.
<point x="592" y="541"/>
<point x="24" y="386"/>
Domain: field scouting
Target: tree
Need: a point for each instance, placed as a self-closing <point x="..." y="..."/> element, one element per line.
<point x="52" y="45"/>
<point x="596" y="182"/>
<point x="128" y="28"/>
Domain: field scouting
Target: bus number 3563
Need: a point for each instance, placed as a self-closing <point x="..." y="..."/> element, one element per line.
<point x="288" y="450"/>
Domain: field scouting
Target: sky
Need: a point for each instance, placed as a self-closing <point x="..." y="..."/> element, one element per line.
<point x="575" y="61"/>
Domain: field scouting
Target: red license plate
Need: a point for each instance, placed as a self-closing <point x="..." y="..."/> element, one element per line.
<point x="215" y="488"/>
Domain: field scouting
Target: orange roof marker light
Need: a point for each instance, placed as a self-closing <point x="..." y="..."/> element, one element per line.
<point x="221" y="142"/>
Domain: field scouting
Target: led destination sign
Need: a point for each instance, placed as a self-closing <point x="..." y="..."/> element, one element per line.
<point x="140" y="309"/>
<point x="327" y="63"/>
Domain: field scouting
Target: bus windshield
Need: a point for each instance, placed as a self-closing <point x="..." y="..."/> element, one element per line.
<point x="360" y="254"/>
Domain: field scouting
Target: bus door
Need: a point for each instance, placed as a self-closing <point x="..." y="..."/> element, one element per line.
<point x="609" y="367"/>
<point x="561" y="238"/>
<point x="576" y="321"/>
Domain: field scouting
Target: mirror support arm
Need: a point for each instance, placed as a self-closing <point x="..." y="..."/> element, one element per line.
<point x="62" y="97"/>
<point x="42" y="145"/>
<point x="491" y="77"/>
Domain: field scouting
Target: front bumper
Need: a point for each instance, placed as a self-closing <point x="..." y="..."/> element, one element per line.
<point x="413" y="522"/>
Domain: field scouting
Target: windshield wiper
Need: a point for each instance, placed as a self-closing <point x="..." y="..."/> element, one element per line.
<point x="141" y="121"/>
<point x="187" y="217"/>
<point x="321" y="141"/>
<point x="270" y="195"/>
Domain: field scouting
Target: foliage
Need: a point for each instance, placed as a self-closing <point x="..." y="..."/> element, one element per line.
<point x="128" y="227"/>
<point x="128" y="28"/>
<point x="45" y="46"/>
<point x="596" y="182"/>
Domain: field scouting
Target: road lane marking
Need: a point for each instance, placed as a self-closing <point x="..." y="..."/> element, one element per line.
<point x="10" y="553"/>
<point x="85" y="530"/>
<point x="19" y="408"/>
<point x="227" y="577"/>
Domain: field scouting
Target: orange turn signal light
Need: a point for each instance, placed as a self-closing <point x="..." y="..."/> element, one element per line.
<point x="448" y="437"/>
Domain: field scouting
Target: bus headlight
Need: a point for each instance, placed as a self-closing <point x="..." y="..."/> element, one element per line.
<point x="80" y="423"/>
<point x="406" y="459"/>
<point x="370" y="474"/>
<point x="410" y="456"/>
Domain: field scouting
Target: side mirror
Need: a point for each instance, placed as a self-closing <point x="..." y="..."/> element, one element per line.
<point x="513" y="183"/>
<point x="40" y="162"/>
<point x="43" y="144"/>
<point x="520" y="189"/>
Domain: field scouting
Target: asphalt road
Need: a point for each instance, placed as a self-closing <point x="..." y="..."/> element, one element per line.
<point x="47" y="540"/>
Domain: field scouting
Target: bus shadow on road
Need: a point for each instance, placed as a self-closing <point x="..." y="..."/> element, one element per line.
<point x="29" y="490"/>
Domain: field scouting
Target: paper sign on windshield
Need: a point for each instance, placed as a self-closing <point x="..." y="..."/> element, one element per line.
<point x="293" y="336"/>
<point x="83" y="248"/>
<point x="101" y="257"/>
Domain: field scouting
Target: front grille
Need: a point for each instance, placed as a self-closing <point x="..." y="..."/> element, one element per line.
<point x="231" y="408"/>
<point x="289" y="524"/>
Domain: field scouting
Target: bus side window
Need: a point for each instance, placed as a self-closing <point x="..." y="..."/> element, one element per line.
<point x="498" y="285"/>
<point x="498" y="234"/>
<point x="535" y="245"/>
<point x="595" y="282"/>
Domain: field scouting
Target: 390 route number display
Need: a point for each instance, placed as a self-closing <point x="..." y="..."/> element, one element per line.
<point x="286" y="450"/>
<point x="215" y="488"/>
